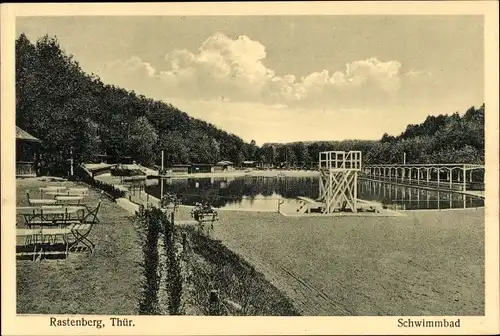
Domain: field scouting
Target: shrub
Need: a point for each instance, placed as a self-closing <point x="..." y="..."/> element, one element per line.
<point x="174" y="278"/>
<point x="150" y="221"/>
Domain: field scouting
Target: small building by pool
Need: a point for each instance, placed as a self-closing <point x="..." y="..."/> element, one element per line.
<point x="201" y="168"/>
<point x="180" y="168"/>
<point x="223" y="166"/>
<point x="27" y="153"/>
<point x="249" y="164"/>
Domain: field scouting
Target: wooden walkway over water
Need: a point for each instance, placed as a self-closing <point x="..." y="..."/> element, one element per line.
<point x="443" y="176"/>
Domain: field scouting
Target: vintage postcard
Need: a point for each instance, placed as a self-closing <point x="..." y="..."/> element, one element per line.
<point x="250" y="168"/>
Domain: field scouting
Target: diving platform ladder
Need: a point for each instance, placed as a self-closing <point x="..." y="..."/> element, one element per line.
<point x="338" y="180"/>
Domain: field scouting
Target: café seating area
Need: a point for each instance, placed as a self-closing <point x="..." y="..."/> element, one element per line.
<point x="57" y="223"/>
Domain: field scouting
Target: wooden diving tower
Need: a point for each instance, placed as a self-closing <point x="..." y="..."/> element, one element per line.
<point x="338" y="180"/>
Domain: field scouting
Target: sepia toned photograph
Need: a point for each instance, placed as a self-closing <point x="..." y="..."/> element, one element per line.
<point x="250" y="165"/>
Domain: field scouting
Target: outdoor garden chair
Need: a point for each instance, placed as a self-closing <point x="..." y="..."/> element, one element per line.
<point x="49" y="237"/>
<point x="32" y="201"/>
<point x="50" y="216"/>
<point x="91" y="216"/>
<point x="50" y="189"/>
<point x="69" y="200"/>
<point x="78" y="190"/>
<point x="81" y="232"/>
<point x="31" y="238"/>
<point x="32" y="215"/>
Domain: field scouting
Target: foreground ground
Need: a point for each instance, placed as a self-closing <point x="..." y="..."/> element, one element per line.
<point x="106" y="282"/>
<point x="428" y="263"/>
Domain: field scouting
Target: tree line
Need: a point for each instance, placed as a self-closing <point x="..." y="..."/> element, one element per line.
<point x="439" y="139"/>
<point x="75" y="114"/>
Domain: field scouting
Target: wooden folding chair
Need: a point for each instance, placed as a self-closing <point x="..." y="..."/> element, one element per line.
<point x="33" y="202"/>
<point x="92" y="214"/>
<point x="31" y="237"/>
<point x="50" y="189"/>
<point x="49" y="236"/>
<point x="47" y="219"/>
<point x="81" y="233"/>
<point x="78" y="191"/>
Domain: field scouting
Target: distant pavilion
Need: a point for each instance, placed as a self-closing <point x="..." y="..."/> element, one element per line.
<point x="27" y="153"/>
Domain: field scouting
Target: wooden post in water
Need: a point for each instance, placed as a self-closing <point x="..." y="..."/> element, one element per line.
<point x="450" y="177"/>
<point x="162" y="156"/>
<point x="161" y="188"/>
<point x="464" y="183"/>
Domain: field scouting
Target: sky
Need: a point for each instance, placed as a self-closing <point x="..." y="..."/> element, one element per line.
<point x="285" y="78"/>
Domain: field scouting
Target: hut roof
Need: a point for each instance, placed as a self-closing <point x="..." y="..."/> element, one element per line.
<point x="23" y="135"/>
<point x="224" y="163"/>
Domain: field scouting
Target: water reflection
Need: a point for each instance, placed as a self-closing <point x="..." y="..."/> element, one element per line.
<point x="262" y="193"/>
<point x="413" y="198"/>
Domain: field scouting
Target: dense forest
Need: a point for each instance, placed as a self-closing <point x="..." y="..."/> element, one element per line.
<point x="439" y="139"/>
<point x="74" y="113"/>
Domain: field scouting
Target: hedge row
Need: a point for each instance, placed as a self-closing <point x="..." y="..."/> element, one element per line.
<point x="154" y="222"/>
<point x="149" y="222"/>
<point x="174" y="278"/>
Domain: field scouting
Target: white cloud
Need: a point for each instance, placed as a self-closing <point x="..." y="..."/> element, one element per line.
<point x="234" y="69"/>
<point x="417" y="73"/>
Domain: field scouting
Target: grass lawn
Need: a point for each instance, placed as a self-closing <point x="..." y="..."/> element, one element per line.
<point x="105" y="282"/>
<point x="428" y="263"/>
